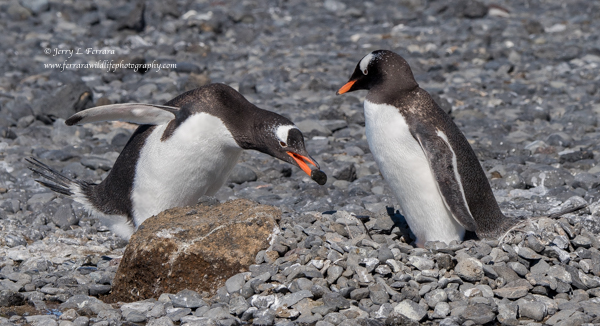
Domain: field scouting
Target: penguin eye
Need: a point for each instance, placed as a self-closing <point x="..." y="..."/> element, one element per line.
<point x="365" y="71"/>
<point x="283" y="144"/>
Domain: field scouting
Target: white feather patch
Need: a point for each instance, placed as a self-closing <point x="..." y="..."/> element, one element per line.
<point x="282" y="132"/>
<point x="364" y="63"/>
<point x="137" y="113"/>
<point x="118" y="224"/>
<point x="195" y="161"/>
<point x="455" y="168"/>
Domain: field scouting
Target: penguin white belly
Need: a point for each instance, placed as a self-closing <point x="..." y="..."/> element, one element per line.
<point x="195" y="161"/>
<point x="405" y="167"/>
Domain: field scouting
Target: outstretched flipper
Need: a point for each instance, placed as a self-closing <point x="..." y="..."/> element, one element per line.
<point x="138" y="113"/>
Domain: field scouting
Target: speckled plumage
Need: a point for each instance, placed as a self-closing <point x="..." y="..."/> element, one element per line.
<point x="395" y="102"/>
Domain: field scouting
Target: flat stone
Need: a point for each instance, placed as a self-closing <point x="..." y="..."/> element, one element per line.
<point x="469" y="269"/>
<point x="527" y="253"/>
<point x="436" y="296"/>
<point x="479" y="313"/>
<point x="236" y="282"/>
<point x="85" y="304"/>
<point x="411" y="310"/>
<point x="421" y="263"/>
<point x="532" y="309"/>
<point x="291" y="299"/>
<point x="511" y="292"/>
<point x="507" y="312"/>
<point x="187" y="299"/>
<point x="441" y="310"/>
<point x="581" y="241"/>
<point x="336" y="301"/>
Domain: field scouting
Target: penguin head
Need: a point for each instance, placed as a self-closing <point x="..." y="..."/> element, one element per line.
<point x="378" y="68"/>
<point x="280" y="138"/>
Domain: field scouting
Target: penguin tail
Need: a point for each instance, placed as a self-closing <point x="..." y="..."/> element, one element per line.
<point x="56" y="181"/>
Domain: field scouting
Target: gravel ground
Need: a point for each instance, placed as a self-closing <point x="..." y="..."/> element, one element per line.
<point x="520" y="79"/>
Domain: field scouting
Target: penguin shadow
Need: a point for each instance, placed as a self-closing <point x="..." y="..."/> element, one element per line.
<point x="400" y="223"/>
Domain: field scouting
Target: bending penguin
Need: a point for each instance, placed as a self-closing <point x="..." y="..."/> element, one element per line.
<point x="181" y="151"/>
<point x="422" y="154"/>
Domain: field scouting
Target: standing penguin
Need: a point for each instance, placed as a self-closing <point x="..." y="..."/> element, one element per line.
<point x="181" y="151"/>
<point x="422" y="154"/>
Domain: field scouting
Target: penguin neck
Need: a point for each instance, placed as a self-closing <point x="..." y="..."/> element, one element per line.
<point x="388" y="91"/>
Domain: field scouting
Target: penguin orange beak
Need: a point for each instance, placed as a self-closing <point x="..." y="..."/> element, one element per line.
<point x="302" y="160"/>
<point x="346" y="87"/>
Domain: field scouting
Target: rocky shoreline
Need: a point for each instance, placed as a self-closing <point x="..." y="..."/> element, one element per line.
<point x="519" y="78"/>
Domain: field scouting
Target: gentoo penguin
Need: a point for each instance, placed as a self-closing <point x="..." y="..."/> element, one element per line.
<point x="181" y="151"/>
<point x="422" y="154"/>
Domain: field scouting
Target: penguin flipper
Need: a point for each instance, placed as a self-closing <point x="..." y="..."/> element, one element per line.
<point x="443" y="165"/>
<point x="138" y="113"/>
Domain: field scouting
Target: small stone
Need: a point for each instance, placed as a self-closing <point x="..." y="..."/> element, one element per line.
<point x="534" y="243"/>
<point x="436" y="296"/>
<point x="291" y="299"/>
<point x="359" y="294"/>
<point x="411" y="310"/>
<point x="99" y="289"/>
<point x="36" y="6"/>
<point x="242" y="173"/>
<point x="378" y="294"/>
<point x="187" y="299"/>
<point x="581" y="241"/>
<point x="135" y="317"/>
<point x="333" y="273"/>
<point x="421" y="263"/>
<point x="519" y="268"/>
<point x="162" y="321"/>
<point x="512" y="292"/>
<point x="532" y="309"/>
<point x="235" y="283"/>
<point x="469" y="269"/>
<point x="479" y="313"/>
<point x="10" y="298"/>
<point x="335" y="300"/>
<point x="346" y="172"/>
<point x="442" y="309"/>
<point x="96" y="163"/>
<point x="527" y="253"/>
<point x="507" y="312"/>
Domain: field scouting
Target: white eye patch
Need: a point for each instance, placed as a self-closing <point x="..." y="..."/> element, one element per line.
<point x="282" y="132"/>
<point x="364" y="63"/>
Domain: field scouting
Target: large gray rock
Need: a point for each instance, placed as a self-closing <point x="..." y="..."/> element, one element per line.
<point x="199" y="250"/>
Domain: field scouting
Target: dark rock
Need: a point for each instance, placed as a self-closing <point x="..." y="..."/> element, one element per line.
<point x="576" y="156"/>
<point x="533" y="26"/>
<point x="335" y="300"/>
<point x="346" y="171"/>
<point x="473" y="8"/>
<point x="95" y="163"/>
<point x="242" y="173"/>
<point x="9" y="298"/>
<point x="65" y="102"/>
<point x="64" y="216"/>
<point x="479" y="313"/>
